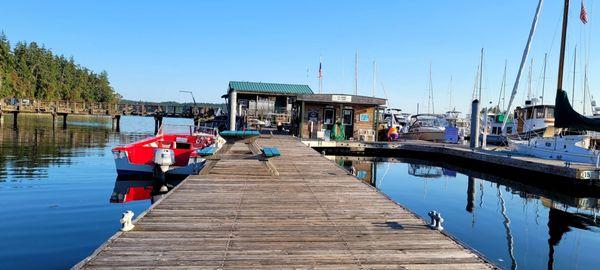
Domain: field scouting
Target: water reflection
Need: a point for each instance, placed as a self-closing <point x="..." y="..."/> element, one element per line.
<point x="57" y="186"/>
<point x="134" y="188"/>
<point x="542" y="225"/>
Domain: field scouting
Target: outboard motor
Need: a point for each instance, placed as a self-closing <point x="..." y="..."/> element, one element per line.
<point x="164" y="158"/>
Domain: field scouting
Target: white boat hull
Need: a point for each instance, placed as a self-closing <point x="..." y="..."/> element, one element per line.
<point x="124" y="167"/>
<point x="566" y="148"/>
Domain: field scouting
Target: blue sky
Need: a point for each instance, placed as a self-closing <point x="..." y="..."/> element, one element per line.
<point x="153" y="49"/>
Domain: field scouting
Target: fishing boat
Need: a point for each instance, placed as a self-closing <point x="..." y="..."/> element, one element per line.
<point x="572" y="137"/>
<point x="426" y="127"/>
<point x="176" y="153"/>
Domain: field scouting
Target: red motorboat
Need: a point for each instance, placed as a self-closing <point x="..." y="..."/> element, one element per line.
<point x="166" y="153"/>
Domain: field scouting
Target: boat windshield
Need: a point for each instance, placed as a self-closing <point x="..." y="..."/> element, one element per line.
<point x="429" y="121"/>
<point x="176" y="129"/>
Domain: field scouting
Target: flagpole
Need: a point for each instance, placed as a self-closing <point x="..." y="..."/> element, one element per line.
<point x="356" y="73"/>
<point x="320" y="75"/>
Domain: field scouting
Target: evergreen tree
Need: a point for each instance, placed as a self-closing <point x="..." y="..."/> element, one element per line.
<point x="31" y="71"/>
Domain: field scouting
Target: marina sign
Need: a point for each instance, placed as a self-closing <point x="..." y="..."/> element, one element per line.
<point x="341" y="98"/>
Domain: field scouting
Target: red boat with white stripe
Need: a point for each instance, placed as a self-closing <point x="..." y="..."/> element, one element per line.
<point x="166" y="153"/>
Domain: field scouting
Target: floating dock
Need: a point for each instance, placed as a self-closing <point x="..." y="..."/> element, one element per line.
<point x="296" y="211"/>
<point x="491" y="160"/>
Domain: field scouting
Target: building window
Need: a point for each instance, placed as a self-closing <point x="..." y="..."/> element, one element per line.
<point x="328" y="116"/>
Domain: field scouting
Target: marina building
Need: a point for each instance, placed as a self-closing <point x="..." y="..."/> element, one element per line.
<point x="337" y="117"/>
<point x="268" y="103"/>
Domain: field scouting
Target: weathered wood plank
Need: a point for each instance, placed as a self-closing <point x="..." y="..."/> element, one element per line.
<point x="310" y="214"/>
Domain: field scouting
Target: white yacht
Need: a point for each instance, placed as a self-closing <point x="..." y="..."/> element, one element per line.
<point x="427" y="127"/>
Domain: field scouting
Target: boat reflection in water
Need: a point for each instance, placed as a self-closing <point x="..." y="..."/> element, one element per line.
<point x="538" y="226"/>
<point x="425" y="171"/>
<point x="131" y="188"/>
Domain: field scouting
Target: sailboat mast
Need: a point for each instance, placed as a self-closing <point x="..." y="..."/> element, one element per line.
<point x="563" y="41"/>
<point x="502" y="94"/>
<point x="504" y="85"/>
<point x="430" y="91"/>
<point x="574" y="66"/>
<point x="523" y="59"/>
<point x="480" y="75"/>
<point x="374" y="76"/>
<point x="544" y="77"/>
<point x="529" y="81"/>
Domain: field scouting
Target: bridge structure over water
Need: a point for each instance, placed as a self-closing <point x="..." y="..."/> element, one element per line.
<point x="62" y="109"/>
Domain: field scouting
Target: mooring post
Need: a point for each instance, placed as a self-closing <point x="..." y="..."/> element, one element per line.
<point x="157" y="122"/>
<point x="15" y="119"/>
<point x="474" y="124"/>
<point x="1" y="119"/>
<point x="64" y="126"/>
<point x="118" y="120"/>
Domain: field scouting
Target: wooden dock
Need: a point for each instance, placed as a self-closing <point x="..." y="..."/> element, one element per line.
<point x="297" y="211"/>
<point x="574" y="173"/>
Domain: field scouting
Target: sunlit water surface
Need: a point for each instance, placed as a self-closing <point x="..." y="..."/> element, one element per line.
<point x="516" y="226"/>
<point x="56" y="187"/>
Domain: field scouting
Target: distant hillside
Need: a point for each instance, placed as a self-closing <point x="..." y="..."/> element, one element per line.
<point x="28" y="70"/>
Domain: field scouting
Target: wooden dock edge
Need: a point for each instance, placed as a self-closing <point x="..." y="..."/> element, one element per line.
<point x="445" y="233"/>
<point x="119" y="232"/>
<point x="582" y="172"/>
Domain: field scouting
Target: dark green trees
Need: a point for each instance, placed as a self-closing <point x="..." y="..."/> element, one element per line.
<point x="30" y="71"/>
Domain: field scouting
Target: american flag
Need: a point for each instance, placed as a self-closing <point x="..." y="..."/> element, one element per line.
<point x="320" y="71"/>
<point x="583" y="14"/>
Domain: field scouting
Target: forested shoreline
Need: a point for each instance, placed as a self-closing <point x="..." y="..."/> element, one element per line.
<point x="28" y="70"/>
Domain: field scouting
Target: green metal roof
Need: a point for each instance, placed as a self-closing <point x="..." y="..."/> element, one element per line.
<point x="276" y="88"/>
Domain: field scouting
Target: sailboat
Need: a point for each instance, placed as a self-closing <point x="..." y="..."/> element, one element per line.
<point x="569" y="138"/>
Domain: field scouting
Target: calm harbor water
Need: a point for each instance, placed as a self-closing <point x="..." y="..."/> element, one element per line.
<point x="60" y="199"/>
<point x="56" y="188"/>
<point x="515" y="225"/>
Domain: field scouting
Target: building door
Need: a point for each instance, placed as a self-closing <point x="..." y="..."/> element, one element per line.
<point x="329" y="118"/>
<point x="348" y="121"/>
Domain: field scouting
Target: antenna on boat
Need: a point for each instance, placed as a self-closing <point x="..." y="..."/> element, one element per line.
<point x="523" y="59"/>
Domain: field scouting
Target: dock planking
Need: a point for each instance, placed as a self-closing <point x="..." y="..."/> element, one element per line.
<point x="296" y="211"/>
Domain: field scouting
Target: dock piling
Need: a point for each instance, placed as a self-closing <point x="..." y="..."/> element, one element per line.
<point x="15" y="119"/>
<point x="474" y="143"/>
<point x="116" y="123"/>
<point x="64" y="125"/>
